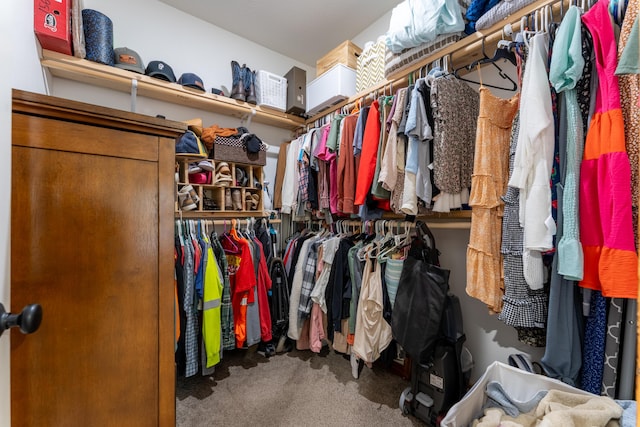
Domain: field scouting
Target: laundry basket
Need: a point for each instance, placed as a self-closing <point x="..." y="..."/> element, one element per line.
<point x="519" y="384"/>
<point x="271" y="90"/>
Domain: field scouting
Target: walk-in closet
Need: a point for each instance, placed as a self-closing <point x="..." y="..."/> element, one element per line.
<point x="401" y="212"/>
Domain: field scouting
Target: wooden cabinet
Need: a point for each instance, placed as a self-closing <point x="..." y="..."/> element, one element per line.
<point x="92" y="242"/>
<point x="217" y="198"/>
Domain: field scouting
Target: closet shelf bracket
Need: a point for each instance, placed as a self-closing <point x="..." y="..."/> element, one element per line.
<point x="134" y="94"/>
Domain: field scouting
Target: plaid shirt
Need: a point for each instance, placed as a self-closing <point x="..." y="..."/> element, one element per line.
<point x="308" y="281"/>
<point x="303" y="180"/>
<point x="191" y="335"/>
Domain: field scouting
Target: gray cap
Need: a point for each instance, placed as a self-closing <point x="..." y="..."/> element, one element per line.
<point x="128" y="59"/>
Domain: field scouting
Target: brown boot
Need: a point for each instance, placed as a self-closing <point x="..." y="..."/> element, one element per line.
<point x="238" y="78"/>
<point x="250" y="86"/>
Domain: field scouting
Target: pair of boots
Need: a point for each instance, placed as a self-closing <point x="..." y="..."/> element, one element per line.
<point x="233" y="199"/>
<point x="243" y="87"/>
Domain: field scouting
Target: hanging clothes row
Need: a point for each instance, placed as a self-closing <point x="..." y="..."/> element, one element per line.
<point x="343" y="287"/>
<point x="221" y="283"/>
<point x="551" y="176"/>
<point x="409" y="153"/>
<point x="554" y="199"/>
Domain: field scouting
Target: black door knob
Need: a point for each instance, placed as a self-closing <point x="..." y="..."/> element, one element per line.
<point x="28" y="320"/>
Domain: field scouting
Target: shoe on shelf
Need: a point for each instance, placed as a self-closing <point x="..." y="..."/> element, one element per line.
<point x="206" y="165"/>
<point x="237" y="81"/>
<point x="209" y="204"/>
<point x="228" y="203"/>
<point x="249" y="86"/>
<point x="236" y="197"/>
<point x="192" y="192"/>
<point x="194" y="168"/>
<point x="241" y="177"/>
<point x="186" y="203"/>
<point x="255" y="201"/>
<point x="247" y="201"/>
<point x="223" y="175"/>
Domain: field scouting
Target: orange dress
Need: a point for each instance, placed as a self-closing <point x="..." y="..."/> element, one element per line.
<point x="485" y="279"/>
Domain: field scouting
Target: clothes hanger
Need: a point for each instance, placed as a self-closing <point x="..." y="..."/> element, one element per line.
<point x="512" y="87"/>
<point x="229" y="238"/>
<point x="179" y="231"/>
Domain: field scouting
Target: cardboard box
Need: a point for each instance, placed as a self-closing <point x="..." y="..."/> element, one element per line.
<point x="52" y="24"/>
<point x="296" y="91"/>
<point x="345" y="53"/>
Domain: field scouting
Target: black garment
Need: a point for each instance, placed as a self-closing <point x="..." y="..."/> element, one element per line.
<point x="583" y="85"/>
<point x="313" y="189"/>
<point x="386" y="302"/>
<point x="262" y="234"/>
<point x="338" y="292"/>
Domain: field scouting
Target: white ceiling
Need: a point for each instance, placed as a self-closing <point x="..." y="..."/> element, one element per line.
<point x="300" y="29"/>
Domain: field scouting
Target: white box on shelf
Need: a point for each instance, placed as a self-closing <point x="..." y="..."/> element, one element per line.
<point x="331" y="88"/>
<point x="271" y="90"/>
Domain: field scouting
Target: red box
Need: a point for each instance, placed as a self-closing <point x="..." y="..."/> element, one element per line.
<point x="52" y="24"/>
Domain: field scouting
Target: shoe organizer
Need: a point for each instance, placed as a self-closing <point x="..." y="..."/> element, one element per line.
<point x="213" y="179"/>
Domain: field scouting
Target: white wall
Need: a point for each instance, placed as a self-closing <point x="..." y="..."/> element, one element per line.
<point x="488" y="339"/>
<point x="375" y="30"/>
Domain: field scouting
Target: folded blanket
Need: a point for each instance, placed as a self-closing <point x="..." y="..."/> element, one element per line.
<point x="557" y="408"/>
<point x="414" y="22"/>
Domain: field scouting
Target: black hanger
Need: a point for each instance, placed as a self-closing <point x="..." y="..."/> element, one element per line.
<point x="503" y="51"/>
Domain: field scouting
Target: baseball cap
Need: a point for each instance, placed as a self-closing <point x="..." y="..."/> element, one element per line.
<point x="191" y="80"/>
<point x="189" y="143"/>
<point x="128" y="59"/>
<point x="160" y="70"/>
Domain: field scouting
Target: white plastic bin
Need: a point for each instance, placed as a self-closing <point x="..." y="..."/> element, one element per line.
<point x="331" y="88"/>
<point x="271" y="90"/>
<point x="520" y="385"/>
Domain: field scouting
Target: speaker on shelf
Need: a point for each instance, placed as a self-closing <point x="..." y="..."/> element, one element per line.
<point x="296" y="91"/>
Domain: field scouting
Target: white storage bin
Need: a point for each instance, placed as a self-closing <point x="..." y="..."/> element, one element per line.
<point x="520" y="385"/>
<point x="331" y="88"/>
<point x="271" y="90"/>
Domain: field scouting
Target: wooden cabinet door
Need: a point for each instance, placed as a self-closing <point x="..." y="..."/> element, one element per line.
<point x="91" y="241"/>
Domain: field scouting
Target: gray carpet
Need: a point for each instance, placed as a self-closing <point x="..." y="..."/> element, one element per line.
<point x="299" y="388"/>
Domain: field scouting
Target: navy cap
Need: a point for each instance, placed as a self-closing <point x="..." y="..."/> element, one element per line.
<point x="191" y="80"/>
<point x="189" y="143"/>
<point x="160" y="70"/>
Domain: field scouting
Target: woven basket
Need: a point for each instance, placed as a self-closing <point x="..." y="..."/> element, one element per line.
<point x="370" y="66"/>
<point x="230" y="149"/>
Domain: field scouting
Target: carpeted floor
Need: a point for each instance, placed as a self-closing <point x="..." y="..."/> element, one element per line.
<point x="299" y="388"/>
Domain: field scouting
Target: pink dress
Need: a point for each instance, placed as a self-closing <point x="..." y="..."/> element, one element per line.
<point x="606" y="225"/>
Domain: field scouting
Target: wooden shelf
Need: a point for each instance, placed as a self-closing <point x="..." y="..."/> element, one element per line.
<point x="221" y="214"/>
<point x="93" y="73"/>
<point x="464" y="52"/>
